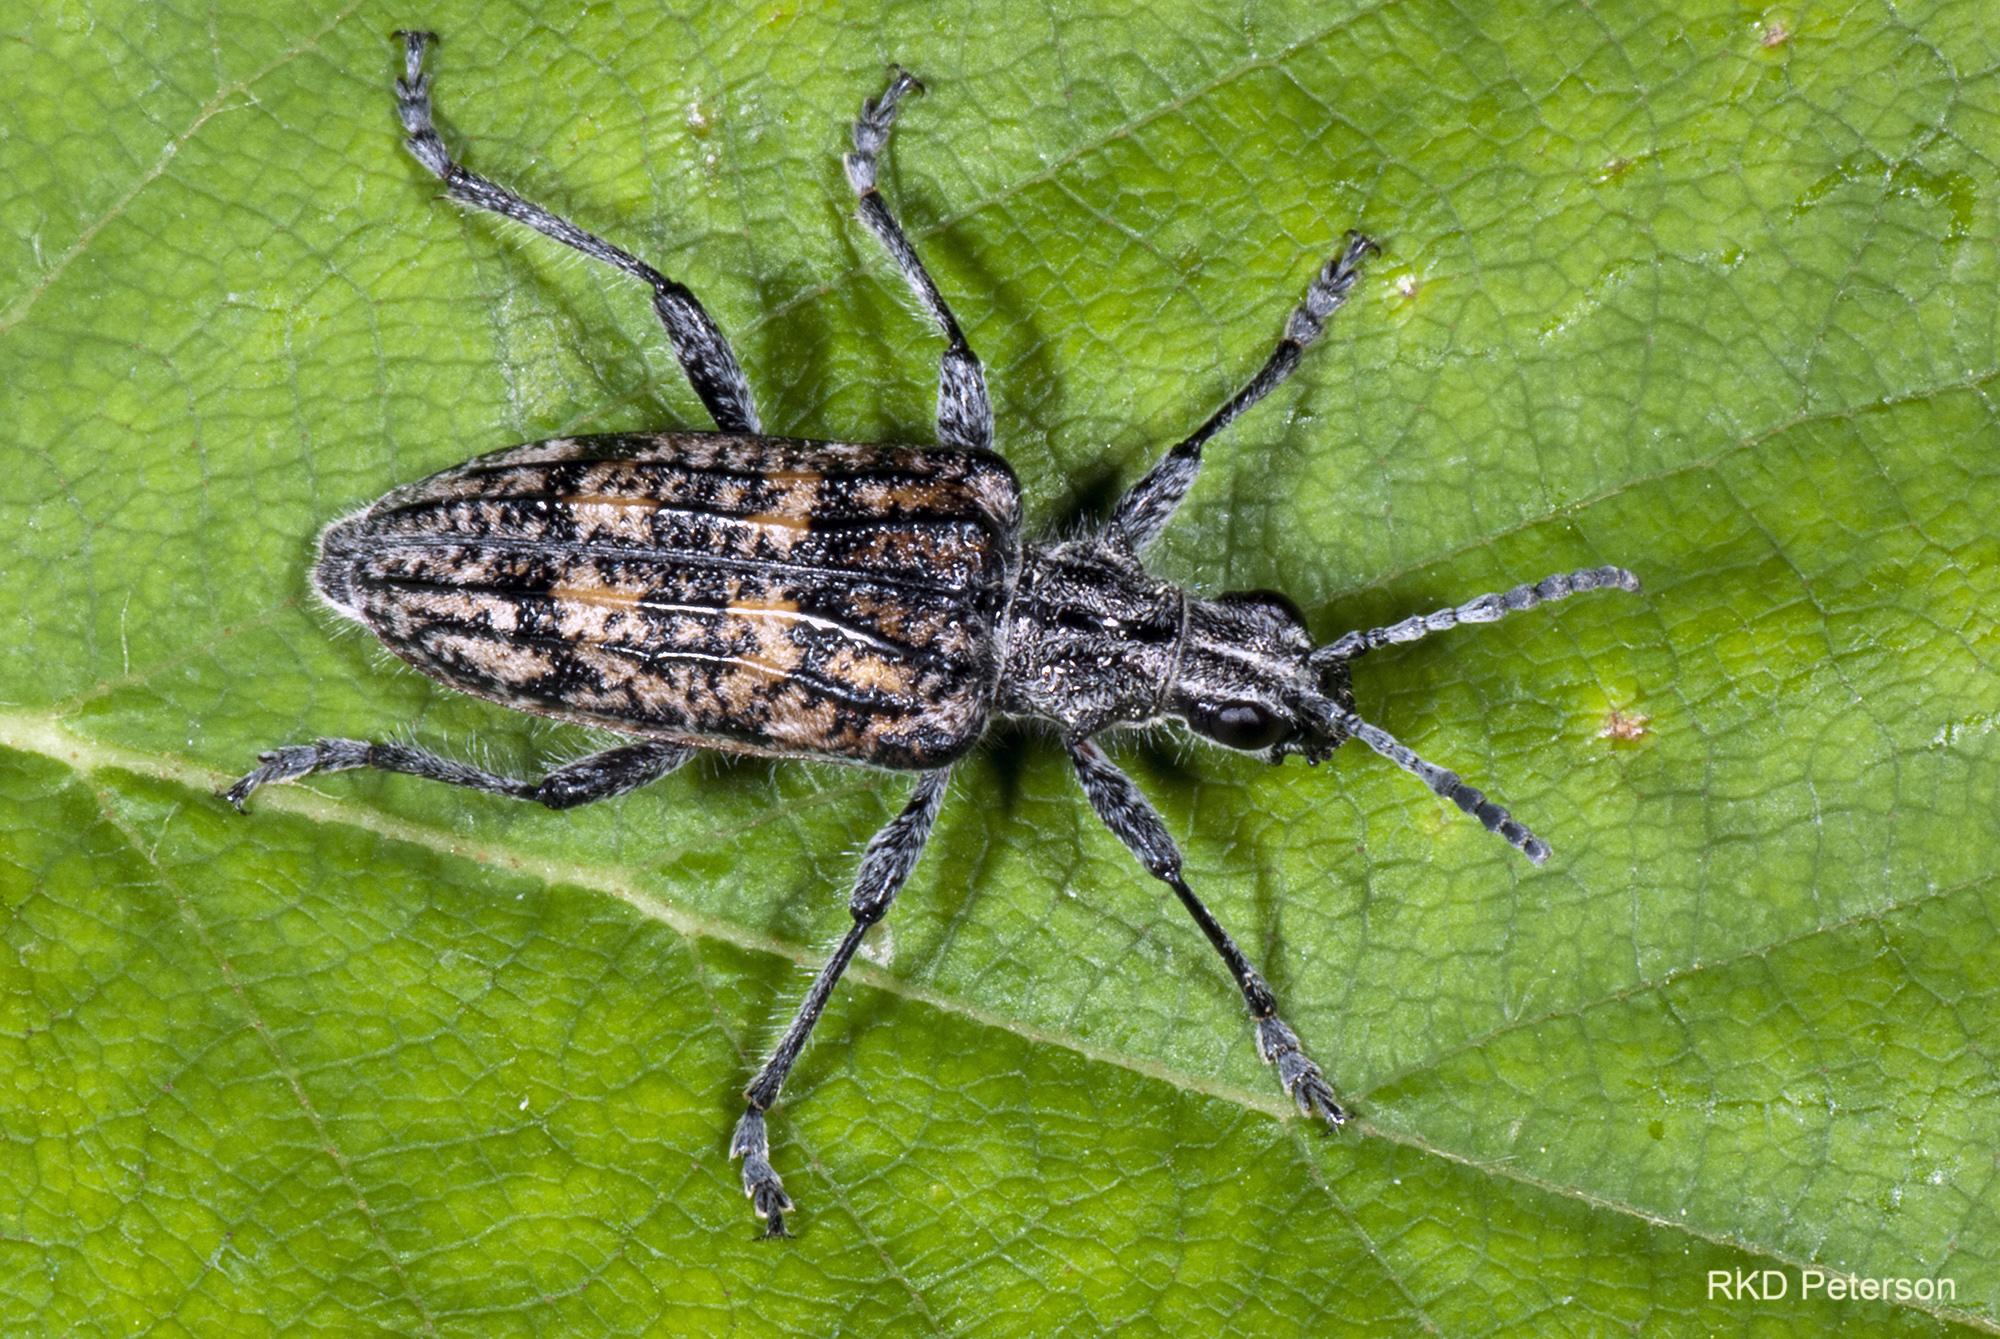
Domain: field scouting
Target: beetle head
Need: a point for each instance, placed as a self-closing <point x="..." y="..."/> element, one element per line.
<point x="1251" y="680"/>
<point x="1248" y="679"/>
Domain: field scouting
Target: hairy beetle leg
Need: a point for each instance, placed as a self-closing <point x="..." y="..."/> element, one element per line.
<point x="1133" y="820"/>
<point x="703" y="352"/>
<point x="1144" y="511"/>
<point x="964" y="409"/>
<point x="885" y="867"/>
<point x="585" y="781"/>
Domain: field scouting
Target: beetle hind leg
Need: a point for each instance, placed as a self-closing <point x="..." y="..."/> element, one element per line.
<point x="964" y="410"/>
<point x="705" y="356"/>
<point x="585" y="781"/>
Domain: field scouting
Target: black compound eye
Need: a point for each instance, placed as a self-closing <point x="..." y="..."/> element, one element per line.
<point x="1240" y="725"/>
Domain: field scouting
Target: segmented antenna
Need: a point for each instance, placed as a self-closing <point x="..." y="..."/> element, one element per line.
<point x="1442" y="781"/>
<point x="1485" y="609"/>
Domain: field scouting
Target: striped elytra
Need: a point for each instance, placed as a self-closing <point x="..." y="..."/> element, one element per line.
<point x="753" y="594"/>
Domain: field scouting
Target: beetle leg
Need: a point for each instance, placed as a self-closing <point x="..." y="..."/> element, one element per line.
<point x="704" y="354"/>
<point x="597" y="777"/>
<point x="885" y="867"/>
<point x="964" y="411"/>
<point x="1144" y="512"/>
<point x="1134" y="821"/>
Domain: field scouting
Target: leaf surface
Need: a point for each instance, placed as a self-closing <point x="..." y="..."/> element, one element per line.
<point x="1709" y="292"/>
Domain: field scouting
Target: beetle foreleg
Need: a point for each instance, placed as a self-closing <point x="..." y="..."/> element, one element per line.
<point x="1133" y="820"/>
<point x="885" y="867"/>
<point x="1144" y="512"/>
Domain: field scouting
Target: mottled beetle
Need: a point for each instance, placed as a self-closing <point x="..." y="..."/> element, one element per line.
<point x="870" y="604"/>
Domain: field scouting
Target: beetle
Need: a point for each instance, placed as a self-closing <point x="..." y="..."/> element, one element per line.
<point x="868" y="604"/>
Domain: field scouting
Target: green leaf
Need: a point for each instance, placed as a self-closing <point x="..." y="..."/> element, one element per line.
<point x="1710" y="292"/>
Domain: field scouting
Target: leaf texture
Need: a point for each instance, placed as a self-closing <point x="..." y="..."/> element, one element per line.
<point x="1707" y="291"/>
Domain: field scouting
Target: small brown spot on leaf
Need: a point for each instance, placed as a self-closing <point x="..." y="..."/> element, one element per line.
<point x="1619" y="724"/>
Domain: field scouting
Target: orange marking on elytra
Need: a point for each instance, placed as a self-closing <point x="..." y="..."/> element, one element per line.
<point x="597" y="593"/>
<point x="751" y="608"/>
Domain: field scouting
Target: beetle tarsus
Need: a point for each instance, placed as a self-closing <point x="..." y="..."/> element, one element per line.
<point x="760" y="1180"/>
<point x="295" y="762"/>
<point x="1299" y="1076"/>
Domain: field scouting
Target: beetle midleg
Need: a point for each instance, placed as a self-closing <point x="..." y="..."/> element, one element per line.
<point x="1144" y="512"/>
<point x="1134" y="821"/>
<point x="597" y="777"/>
<point x="964" y="411"/>
<point x="885" y="866"/>
<point x="703" y="353"/>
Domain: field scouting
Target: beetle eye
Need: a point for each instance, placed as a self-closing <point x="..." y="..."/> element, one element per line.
<point x="1239" y="725"/>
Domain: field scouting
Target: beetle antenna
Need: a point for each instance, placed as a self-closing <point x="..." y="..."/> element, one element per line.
<point x="1486" y="609"/>
<point x="1444" y="782"/>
